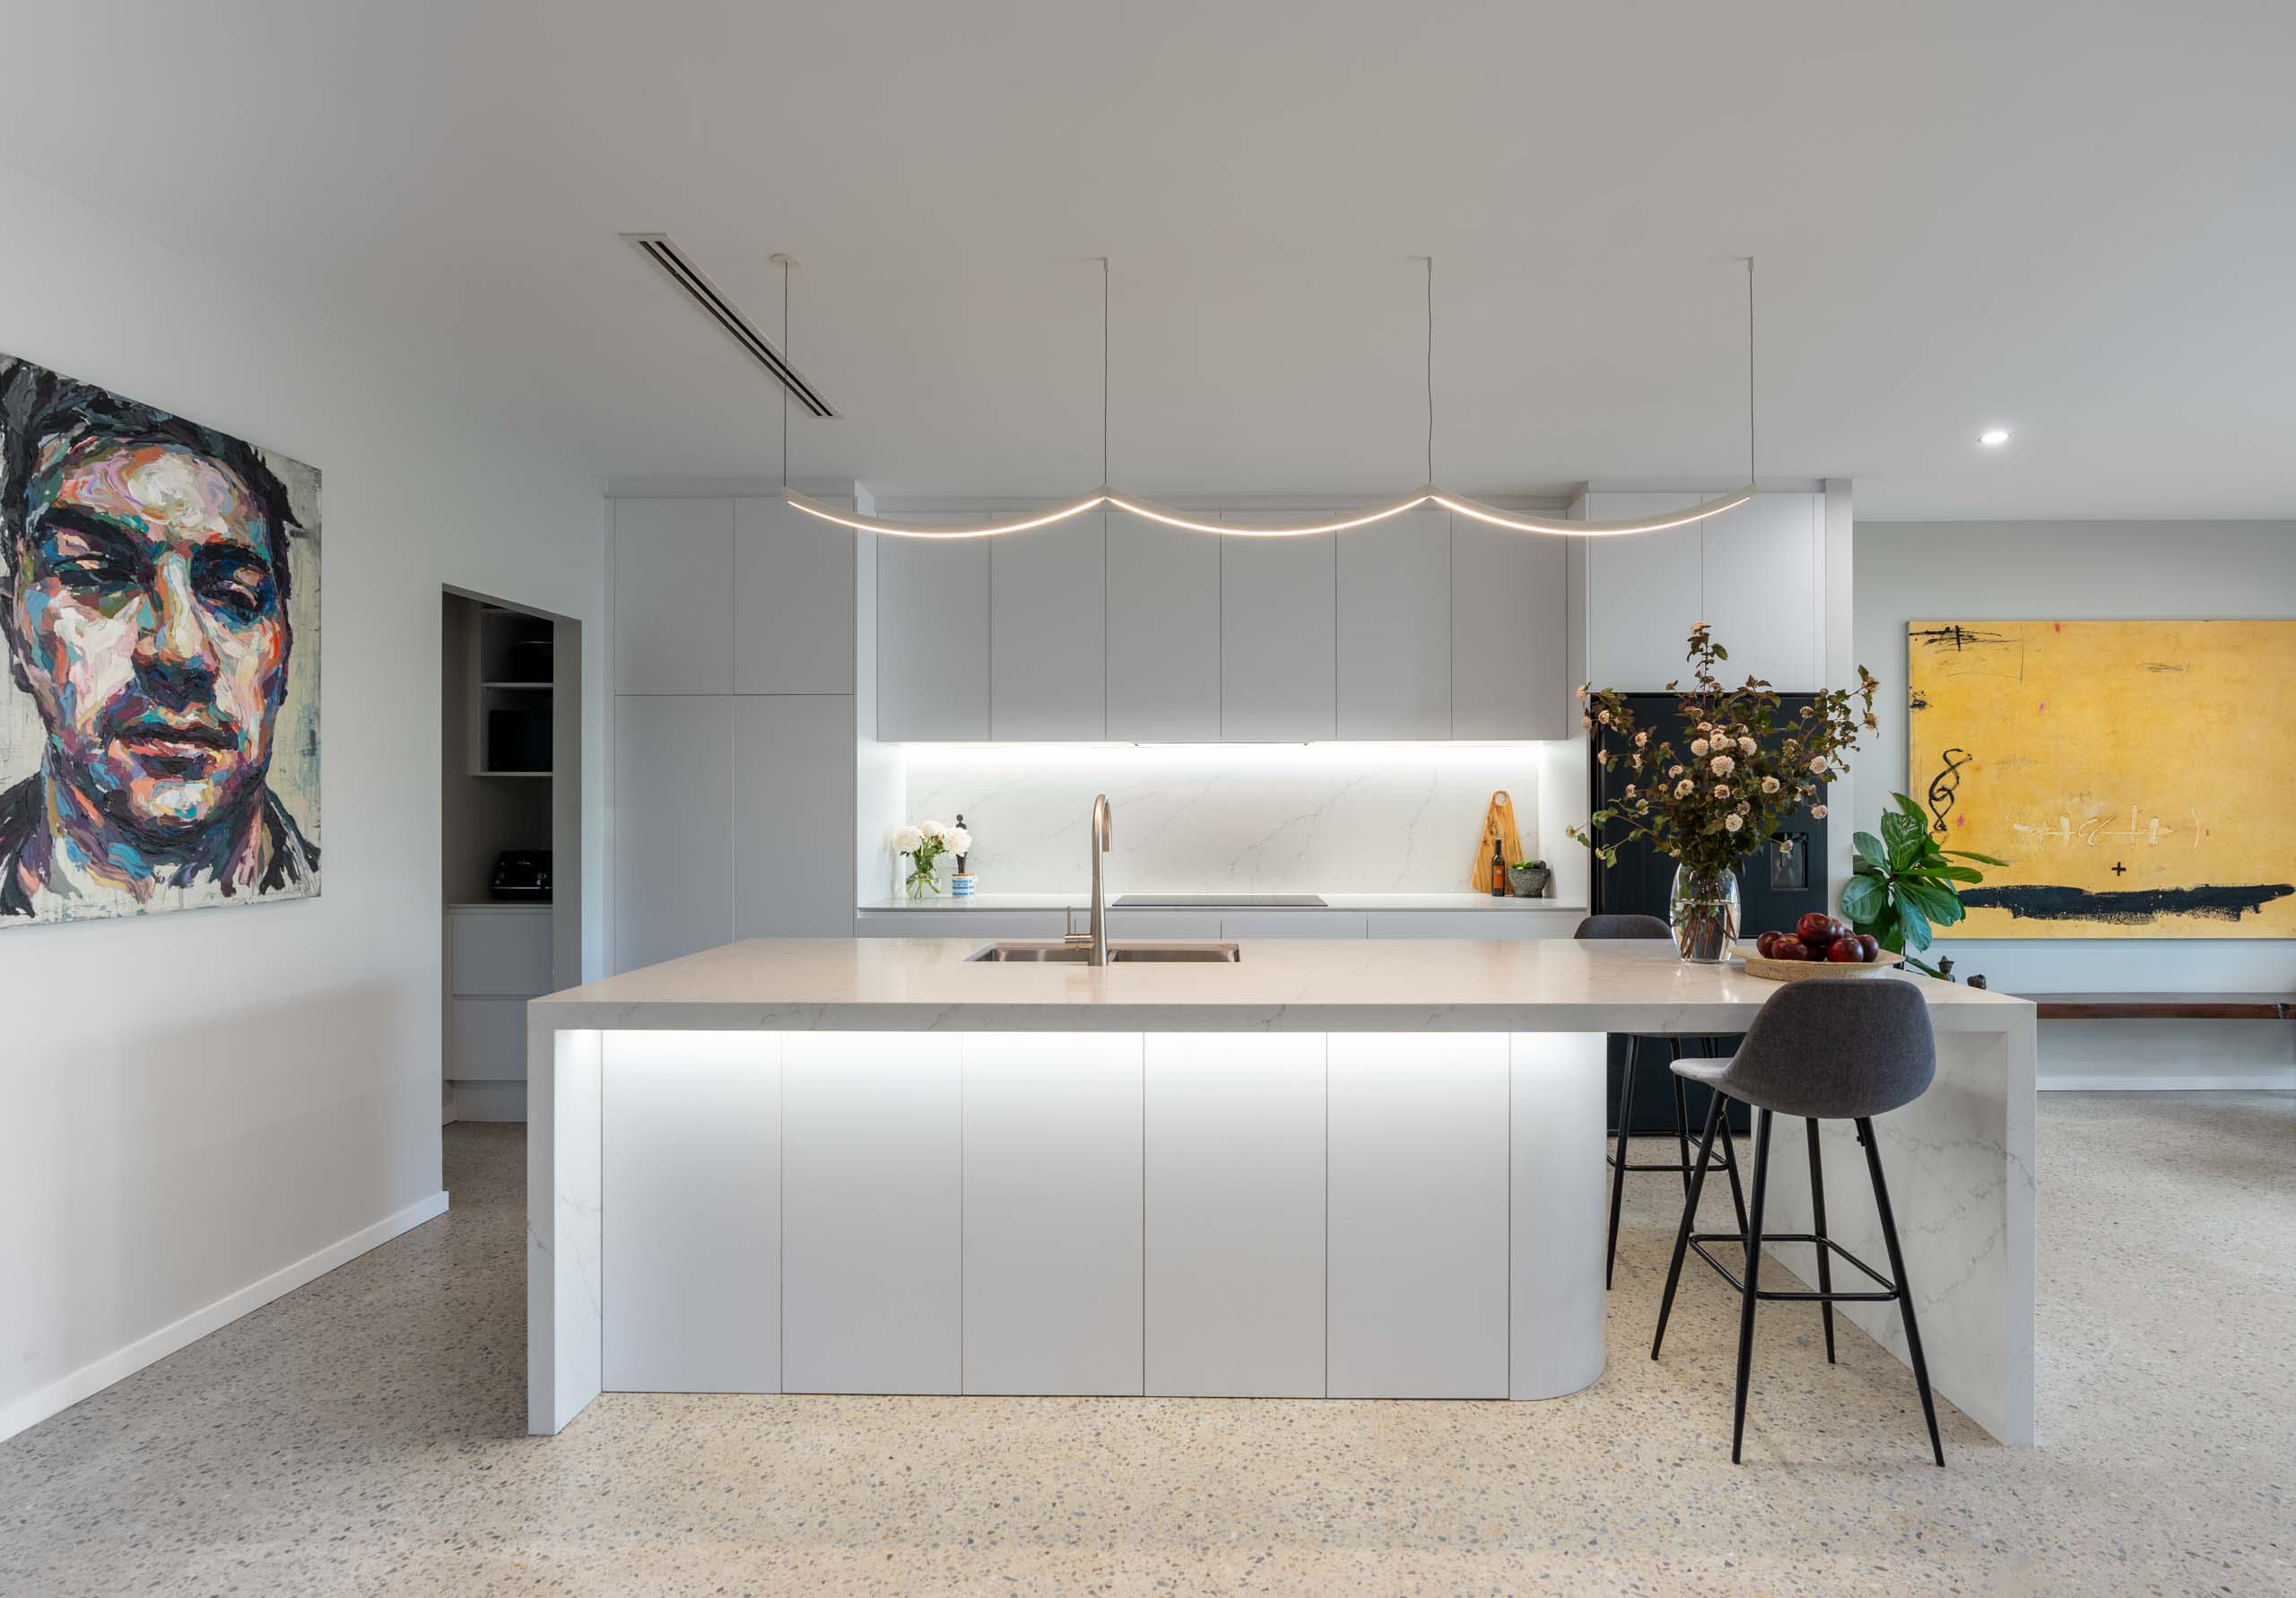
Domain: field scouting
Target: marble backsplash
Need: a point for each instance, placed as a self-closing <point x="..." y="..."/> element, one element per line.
<point x="1240" y="818"/>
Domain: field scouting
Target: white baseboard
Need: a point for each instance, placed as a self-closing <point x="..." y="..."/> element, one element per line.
<point x="2280" y="1080"/>
<point x="58" y="1395"/>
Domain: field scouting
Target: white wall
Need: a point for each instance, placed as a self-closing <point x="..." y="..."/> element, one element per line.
<point x="1987" y="570"/>
<point x="198" y="1104"/>
<point x="1361" y="818"/>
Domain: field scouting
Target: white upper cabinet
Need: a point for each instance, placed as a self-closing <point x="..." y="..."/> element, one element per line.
<point x="1162" y="632"/>
<point x="1394" y="626"/>
<point x="1644" y="591"/>
<point x="1047" y="609"/>
<point x="1508" y="655"/>
<point x="1278" y="634"/>
<point x="932" y="638"/>
<point x="1763" y="566"/>
<point x="1754" y="574"/>
<point x="674" y="595"/>
<point x="793" y="600"/>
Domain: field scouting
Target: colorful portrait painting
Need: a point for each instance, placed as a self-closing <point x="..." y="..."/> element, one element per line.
<point x="160" y="611"/>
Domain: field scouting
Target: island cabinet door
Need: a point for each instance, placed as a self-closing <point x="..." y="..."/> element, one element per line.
<point x="1235" y="1147"/>
<point x="690" y="1218"/>
<point x="1052" y="1241"/>
<point x="872" y="1251"/>
<point x="1418" y="1215"/>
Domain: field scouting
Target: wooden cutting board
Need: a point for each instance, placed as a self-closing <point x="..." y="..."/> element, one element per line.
<point x="1499" y="824"/>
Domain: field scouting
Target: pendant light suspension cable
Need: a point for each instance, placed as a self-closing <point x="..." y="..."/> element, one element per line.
<point x="1430" y="494"/>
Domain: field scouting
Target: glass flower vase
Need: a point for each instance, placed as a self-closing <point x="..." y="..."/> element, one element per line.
<point x="1702" y="908"/>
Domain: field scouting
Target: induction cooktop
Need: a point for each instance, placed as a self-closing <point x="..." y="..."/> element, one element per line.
<point x="1218" y="901"/>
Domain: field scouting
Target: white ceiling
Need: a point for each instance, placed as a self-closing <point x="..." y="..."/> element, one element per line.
<point x="2074" y="220"/>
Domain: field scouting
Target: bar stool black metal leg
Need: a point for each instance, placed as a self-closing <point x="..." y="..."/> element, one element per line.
<point x="1818" y="1225"/>
<point x="1730" y="1158"/>
<point x="1618" y="1158"/>
<point x="1905" y="1288"/>
<point x="1681" y="1112"/>
<point x="1690" y="1215"/>
<point x="1753" y="1276"/>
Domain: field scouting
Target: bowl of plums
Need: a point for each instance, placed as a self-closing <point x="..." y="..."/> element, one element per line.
<point x="1821" y="946"/>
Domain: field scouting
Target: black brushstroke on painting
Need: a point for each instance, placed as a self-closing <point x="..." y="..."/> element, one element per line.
<point x="2137" y="906"/>
<point x="1942" y="786"/>
<point x="1955" y="636"/>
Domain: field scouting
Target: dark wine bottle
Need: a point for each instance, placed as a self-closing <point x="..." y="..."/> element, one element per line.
<point x="1498" y="870"/>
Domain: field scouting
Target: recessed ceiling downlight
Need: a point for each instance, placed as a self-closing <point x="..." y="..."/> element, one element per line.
<point x="1994" y="437"/>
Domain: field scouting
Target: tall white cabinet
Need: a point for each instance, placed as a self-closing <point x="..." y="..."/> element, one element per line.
<point x="732" y="730"/>
<point x="1755" y="574"/>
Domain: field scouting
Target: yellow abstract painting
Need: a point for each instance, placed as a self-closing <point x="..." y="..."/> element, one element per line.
<point x="2136" y="776"/>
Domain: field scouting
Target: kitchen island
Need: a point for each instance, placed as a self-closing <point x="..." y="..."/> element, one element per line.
<point x="1349" y="1169"/>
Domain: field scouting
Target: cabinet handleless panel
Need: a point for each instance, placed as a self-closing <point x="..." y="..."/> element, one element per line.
<point x="1394" y="626"/>
<point x="673" y="595"/>
<point x="1558" y="1109"/>
<point x="932" y="638"/>
<point x="1292" y="923"/>
<point x="1643" y="593"/>
<point x="1235" y="1185"/>
<point x="1502" y="925"/>
<point x="793" y="600"/>
<point x="1157" y="923"/>
<point x="984" y="925"/>
<point x="793" y="816"/>
<point x="486" y="1040"/>
<point x="1418" y="1215"/>
<point x="690" y="1218"/>
<point x="673" y="794"/>
<point x="1052" y="1212"/>
<point x="496" y="952"/>
<point x="1509" y="647"/>
<point x="1164" y="631"/>
<point x="1048" y="660"/>
<point x="1278" y="642"/>
<point x="871" y="1191"/>
<point x="1763" y="589"/>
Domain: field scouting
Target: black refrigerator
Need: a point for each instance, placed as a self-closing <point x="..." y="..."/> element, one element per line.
<point x="1775" y="888"/>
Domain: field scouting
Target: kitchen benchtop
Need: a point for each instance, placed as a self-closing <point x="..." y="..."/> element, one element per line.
<point x="1332" y="901"/>
<point x="1314" y="986"/>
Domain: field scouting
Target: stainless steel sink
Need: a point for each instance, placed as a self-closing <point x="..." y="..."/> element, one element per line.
<point x="1078" y="954"/>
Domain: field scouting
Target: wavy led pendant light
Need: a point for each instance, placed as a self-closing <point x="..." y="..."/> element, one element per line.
<point x="1431" y="494"/>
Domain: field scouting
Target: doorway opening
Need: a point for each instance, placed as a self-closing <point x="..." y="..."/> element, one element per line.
<point x="510" y="840"/>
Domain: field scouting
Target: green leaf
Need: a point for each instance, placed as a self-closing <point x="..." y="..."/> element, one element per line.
<point x="1862" y="899"/>
<point x="1972" y="855"/>
<point x="1914" y="924"/>
<point x="1906" y="803"/>
<point x="1903" y="835"/>
<point x="1869" y="848"/>
<point x="1938" y="904"/>
<point x="1866" y="868"/>
<point x="1894" y="937"/>
<point x="1959" y="873"/>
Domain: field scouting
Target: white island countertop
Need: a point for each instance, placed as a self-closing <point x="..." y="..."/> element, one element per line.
<point x="1372" y="985"/>
<point x="1376" y="903"/>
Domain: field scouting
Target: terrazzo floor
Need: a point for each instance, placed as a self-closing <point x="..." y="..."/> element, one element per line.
<point x="365" y="1434"/>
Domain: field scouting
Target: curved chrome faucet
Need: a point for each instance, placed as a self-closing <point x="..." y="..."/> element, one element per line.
<point x="1100" y="830"/>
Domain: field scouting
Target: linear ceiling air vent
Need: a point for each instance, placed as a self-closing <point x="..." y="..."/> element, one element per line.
<point x="663" y="252"/>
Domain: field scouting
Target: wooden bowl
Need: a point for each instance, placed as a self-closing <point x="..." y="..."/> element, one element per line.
<point x="1810" y="970"/>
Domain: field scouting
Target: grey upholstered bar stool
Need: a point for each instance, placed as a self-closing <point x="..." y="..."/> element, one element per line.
<point x="1602" y="928"/>
<point x="1825" y="1051"/>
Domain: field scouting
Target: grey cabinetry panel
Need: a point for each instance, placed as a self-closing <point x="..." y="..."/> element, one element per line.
<point x="793" y="816"/>
<point x="1278" y="663"/>
<point x="1509" y="646"/>
<point x="1394" y="626"/>
<point x="673" y="595"/>
<point x="931" y="638"/>
<point x="1763" y="580"/>
<point x="1164" y="631"/>
<point x="1046" y="660"/>
<point x="673" y="827"/>
<point x="1643" y="593"/>
<point x="793" y="600"/>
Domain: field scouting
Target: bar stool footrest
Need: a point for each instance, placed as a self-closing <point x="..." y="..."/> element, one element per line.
<point x="1719" y="1162"/>
<point x="1737" y="1240"/>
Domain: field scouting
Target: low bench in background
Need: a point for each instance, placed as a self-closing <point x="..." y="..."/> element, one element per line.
<point x="2165" y="1006"/>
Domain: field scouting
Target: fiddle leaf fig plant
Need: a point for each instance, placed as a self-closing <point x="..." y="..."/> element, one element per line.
<point x="1905" y="886"/>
